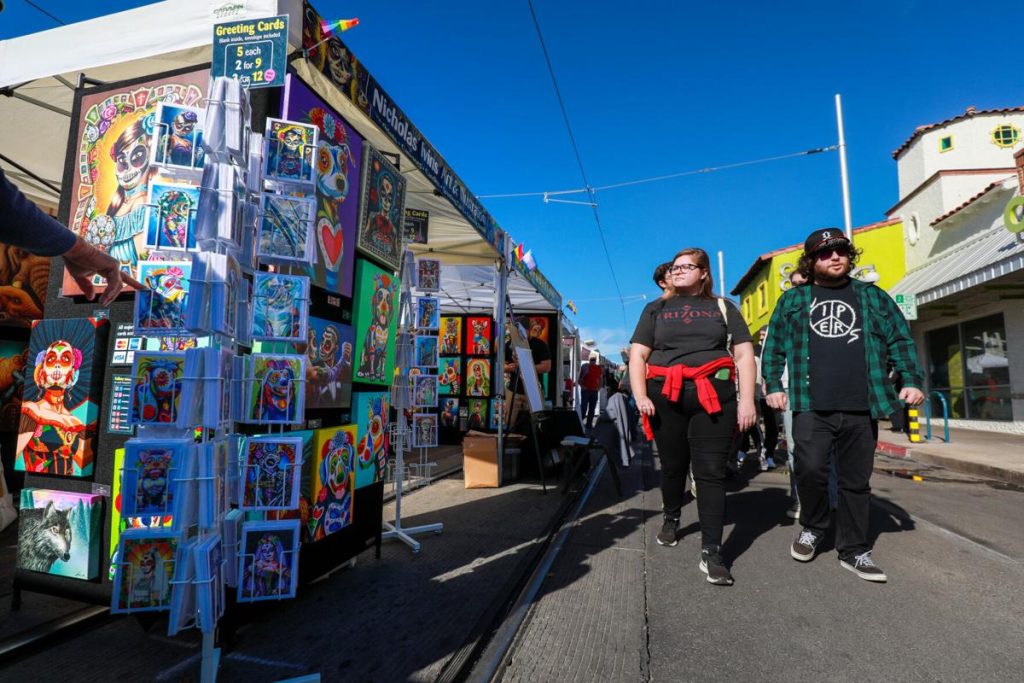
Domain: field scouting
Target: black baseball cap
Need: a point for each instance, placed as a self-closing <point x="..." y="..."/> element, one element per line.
<point x="826" y="238"/>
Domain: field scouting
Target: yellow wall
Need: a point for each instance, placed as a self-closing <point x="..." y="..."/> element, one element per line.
<point x="883" y="249"/>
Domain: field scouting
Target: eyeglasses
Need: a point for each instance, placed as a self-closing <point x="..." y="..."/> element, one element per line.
<point x="826" y="254"/>
<point x="683" y="268"/>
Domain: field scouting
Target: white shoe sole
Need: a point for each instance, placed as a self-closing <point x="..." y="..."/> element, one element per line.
<point x="667" y="545"/>
<point x="877" y="578"/>
<point x="704" y="568"/>
<point x="801" y="558"/>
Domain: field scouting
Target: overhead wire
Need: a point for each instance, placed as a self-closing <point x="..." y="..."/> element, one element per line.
<point x="37" y="7"/>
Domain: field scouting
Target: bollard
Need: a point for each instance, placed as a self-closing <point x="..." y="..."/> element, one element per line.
<point x="915" y="425"/>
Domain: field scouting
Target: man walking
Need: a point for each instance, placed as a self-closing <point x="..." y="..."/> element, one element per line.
<point x="835" y="336"/>
<point x="591" y="377"/>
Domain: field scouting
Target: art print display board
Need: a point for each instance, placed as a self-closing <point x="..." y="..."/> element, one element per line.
<point x="14" y="370"/>
<point x="146" y="562"/>
<point x="478" y="336"/>
<point x="449" y="372"/>
<point x="329" y="349"/>
<point x="60" y="403"/>
<point x="59" y="533"/>
<point x="156" y="387"/>
<point x="268" y="566"/>
<point x="478" y="377"/>
<point x="339" y="157"/>
<point x="333" y="480"/>
<point x="111" y="147"/>
<point x="375" y="320"/>
<point x="382" y="209"/>
<point x="271" y="471"/>
<point x="450" y="336"/>
<point x="160" y="310"/>
<point x="370" y="413"/>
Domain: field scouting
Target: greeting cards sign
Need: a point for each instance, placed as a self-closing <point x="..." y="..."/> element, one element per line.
<point x="253" y="51"/>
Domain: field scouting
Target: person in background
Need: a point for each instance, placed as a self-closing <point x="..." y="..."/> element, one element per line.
<point x="515" y="391"/>
<point x="796" y="278"/>
<point x="591" y="380"/>
<point x="661" y="279"/>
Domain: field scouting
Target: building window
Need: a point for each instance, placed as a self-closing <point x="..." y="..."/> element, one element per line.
<point x="968" y="363"/>
<point x="762" y="297"/>
<point x="913" y="228"/>
<point x="1005" y="135"/>
<point x="946" y="143"/>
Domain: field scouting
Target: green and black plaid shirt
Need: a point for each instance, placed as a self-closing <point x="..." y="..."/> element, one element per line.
<point x="886" y="337"/>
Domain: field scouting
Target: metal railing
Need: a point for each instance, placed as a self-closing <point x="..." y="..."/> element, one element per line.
<point x="928" y="416"/>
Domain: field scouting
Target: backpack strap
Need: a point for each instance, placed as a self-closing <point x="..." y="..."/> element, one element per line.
<point x="725" y="319"/>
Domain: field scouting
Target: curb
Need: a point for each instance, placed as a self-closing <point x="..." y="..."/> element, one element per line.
<point x="951" y="463"/>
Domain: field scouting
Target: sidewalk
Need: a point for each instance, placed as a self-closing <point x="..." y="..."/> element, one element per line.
<point x="986" y="454"/>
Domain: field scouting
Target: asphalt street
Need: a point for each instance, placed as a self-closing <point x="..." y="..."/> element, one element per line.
<point x="618" y="607"/>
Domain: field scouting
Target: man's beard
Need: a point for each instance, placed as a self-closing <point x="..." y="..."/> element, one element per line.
<point x="824" y="277"/>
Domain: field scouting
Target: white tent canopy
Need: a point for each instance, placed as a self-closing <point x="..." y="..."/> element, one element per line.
<point x="471" y="288"/>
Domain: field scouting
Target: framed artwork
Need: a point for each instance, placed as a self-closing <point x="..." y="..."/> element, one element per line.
<point x="416" y="228"/>
<point x="449" y="372"/>
<point x="424" y="430"/>
<point x="425" y="351"/>
<point x="450" y="336"/>
<point x="333" y="481"/>
<point x="110" y="143"/>
<point x="539" y="327"/>
<point x="59" y="533"/>
<point x="14" y="370"/>
<point x="177" y="141"/>
<point x="161" y="309"/>
<point x="424" y="391"/>
<point x="450" y="412"/>
<point x="478" y="336"/>
<point x="273" y="389"/>
<point x="279" y="307"/>
<point x="375" y="320"/>
<point x="381" y="210"/>
<point x="339" y="156"/>
<point x="285" y="228"/>
<point x="478" y="377"/>
<point x="271" y="468"/>
<point x="146" y="563"/>
<point x="60" y="405"/>
<point x="476" y="409"/>
<point x="150" y="476"/>
<point x="328" y="364"/>
<point x="23" y="282"/>
<point x="156" y="387"/>
<point x="171" y="217"/>
<point x="428" y="275"/>
<point x="268" y="560"/>
<point x="370" y="413"/>
<point x="428" y="313"/>
<point x="289" y="151"/>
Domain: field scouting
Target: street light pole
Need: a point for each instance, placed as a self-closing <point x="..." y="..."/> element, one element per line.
<point x="847" y="217"/>
<point x="721" y="273"/>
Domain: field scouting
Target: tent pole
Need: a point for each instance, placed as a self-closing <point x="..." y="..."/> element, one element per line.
<point x="498" y="373"/>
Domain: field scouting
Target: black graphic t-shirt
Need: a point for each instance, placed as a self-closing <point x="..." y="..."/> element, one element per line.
<point x="688" y="330"/>
<point x="838" y="369"/>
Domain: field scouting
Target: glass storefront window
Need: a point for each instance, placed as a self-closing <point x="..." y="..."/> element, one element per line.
<point x="968" y="362"/>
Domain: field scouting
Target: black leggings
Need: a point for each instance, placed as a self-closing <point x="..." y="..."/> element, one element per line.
<point x="686" y="435"/>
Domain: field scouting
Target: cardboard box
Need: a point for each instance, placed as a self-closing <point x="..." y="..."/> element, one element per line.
<point x="480" y="460"/>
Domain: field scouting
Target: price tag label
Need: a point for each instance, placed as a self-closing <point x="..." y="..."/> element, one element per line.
<point x="253" y="51"/>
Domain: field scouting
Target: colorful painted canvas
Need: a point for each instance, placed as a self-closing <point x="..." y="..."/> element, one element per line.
<point x="146" y="562"/>
<point x="156" y="390"/>
<point x="450" y="336"/>
<point x="171" y="217"/>
<point x="13" y="373"/>
<point x="177" y="141"/>
<point x="478" y="377"/>
<point x="375" y="322"/>
<point x="477" y="413"/>
<point x="424" y="391"/>
<point x="426" y="351"/>
<point x="273" y="389"/>
<point x="428" y="275"/>
<point x="152" y="468"/>
<point x="449" y="372"/>
<point x="370" y="413"/>
<point x="285" y="229"/>
<point x="539" y="327"/>
<point x="328" y="364"/>
<point x="59" y="533"/>
<point x="23" y="281"/>
<point x="271" y="470"/>
<point x="382" y="209"/>
<point x="289" y="152"/>
<point x="279" y="307"/>
<point x="478" y="336"/>
<point x="161" y="309"/>
<point x="60" y="406"/>
<point x="112" y="169"/>
<point x="339" y="164"/>
<point x="268" y="566"/>
<point x="428" y="313"/>
<point x="450" y="412"/>
<point x="424" y="430"/>
<point x="333" y="481"/>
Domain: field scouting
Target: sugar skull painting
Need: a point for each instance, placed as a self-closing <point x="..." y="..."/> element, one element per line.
<point x="60" y="406"/>
<point x="370" y="412"/>
<point x="375" y="322"/>
<point x="290" y="151"/>
<point x="161" y="308"/>
<point x="333" y="481"/>
<point x="171" y="217"/>
<point x="382" y="209"/>
<point x="478" y="336"/>
<point x="146" y="563"/>
<point x="268" y="560"/>
<point x="271" y="470"/>
<point x="178" y="138"/>
<point x="156" y="392"/>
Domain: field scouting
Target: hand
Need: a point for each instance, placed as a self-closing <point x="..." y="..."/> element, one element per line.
<point x="778" y="400"/>
<point x="645" y="406"/>
<point x="912" y="396"/>
<point x="84" y="260"/>
<point x="746" y="415"/>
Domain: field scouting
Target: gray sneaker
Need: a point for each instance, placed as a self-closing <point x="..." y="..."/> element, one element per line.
<point x="805" y="545"/>
<point x="863" y="566"/>
<point x="711" y="564"/>
<point x="667" y="535"/>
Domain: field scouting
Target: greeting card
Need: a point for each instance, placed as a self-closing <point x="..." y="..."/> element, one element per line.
<point x="271" y="469"/>
<point x="268" y="566"/>
<point x="171" y="216"/>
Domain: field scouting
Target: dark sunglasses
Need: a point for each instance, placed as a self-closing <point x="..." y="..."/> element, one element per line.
<point x="826" y="254"/>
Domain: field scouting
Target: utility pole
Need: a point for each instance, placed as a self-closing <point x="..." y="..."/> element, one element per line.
<point x="847" y="217"/>
<point x="721" y="273"/>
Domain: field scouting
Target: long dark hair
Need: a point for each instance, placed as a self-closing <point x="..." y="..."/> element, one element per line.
<point x="126" y="138"/>
<point x="806" y="263"/>
<point x="707" y="288"/>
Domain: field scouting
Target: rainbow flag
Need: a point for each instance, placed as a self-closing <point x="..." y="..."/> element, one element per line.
<point x="571" y="305"/>
<point x="338" y="26"/>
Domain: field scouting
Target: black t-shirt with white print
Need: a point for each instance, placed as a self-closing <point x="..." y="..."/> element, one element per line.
<point x="837" y="365"/>
<point x="688" y="330"/>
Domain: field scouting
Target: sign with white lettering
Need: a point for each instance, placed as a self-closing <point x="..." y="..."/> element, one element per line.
<point x="254" y="51"/>
<point x="908" y="305"/>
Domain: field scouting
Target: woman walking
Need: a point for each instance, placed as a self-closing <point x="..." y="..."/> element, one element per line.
<point x="683" y="379"/>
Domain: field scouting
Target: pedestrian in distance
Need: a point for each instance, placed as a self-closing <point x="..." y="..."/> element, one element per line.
<point x="591" y="379"/>
<point x="662" y="280"/>
<point x="835" y="336"/>
<point x="684" y="381"/>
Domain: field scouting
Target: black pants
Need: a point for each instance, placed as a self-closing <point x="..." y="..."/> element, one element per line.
<point x="686" y="435"/>
<point x="588" y="401"/>
<point x="854" y="437"/>
<point x="771" y="428"/>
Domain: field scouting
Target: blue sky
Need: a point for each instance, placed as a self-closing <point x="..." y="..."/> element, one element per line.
<point x="660" y="87"/>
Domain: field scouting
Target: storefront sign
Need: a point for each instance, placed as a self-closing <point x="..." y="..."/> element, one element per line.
<point x="416" y="222"/>
<point x="908" y="305"/>
<point x="254" y="51"/>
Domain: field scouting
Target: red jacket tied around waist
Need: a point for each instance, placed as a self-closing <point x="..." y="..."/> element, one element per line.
<point x="700" y="375"/>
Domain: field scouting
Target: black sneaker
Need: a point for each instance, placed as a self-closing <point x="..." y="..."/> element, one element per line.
<point x="805" y="545"/>
<point x="667" y="535"/>
<point x="711" y="564"/>
<point x="863" y="566"/>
